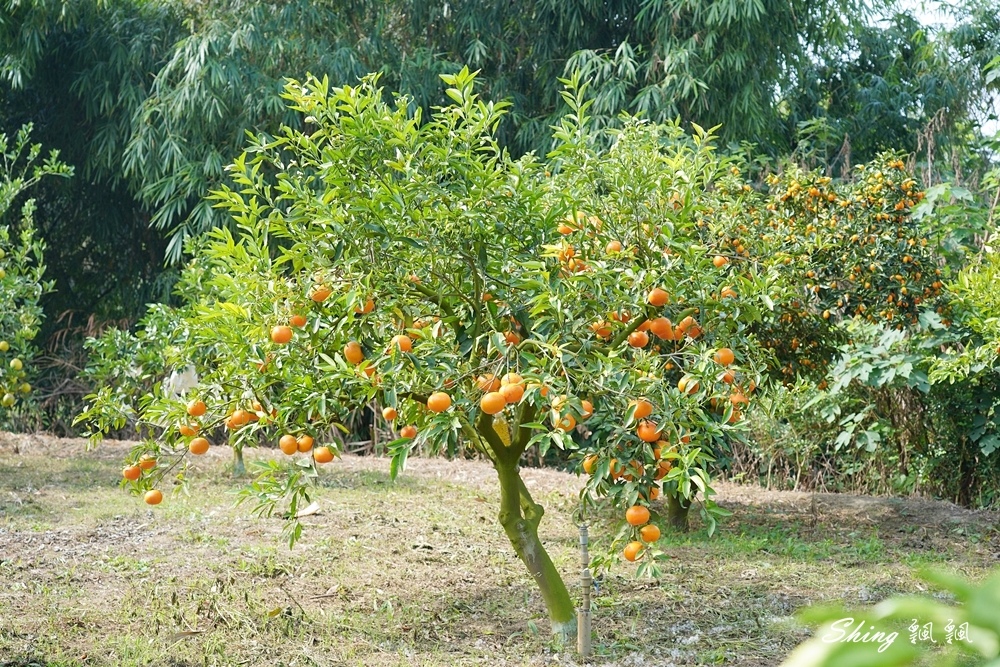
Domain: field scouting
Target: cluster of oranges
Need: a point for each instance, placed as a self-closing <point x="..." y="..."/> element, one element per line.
<point x="638" y="517"/>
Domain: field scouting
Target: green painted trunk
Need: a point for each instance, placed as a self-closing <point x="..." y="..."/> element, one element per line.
<point x="520" y="516"/>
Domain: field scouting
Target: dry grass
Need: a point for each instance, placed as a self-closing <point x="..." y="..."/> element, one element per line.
<point x="418" y="572"/>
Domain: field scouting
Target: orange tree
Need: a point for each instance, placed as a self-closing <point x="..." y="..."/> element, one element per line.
<point x="21" y="261"/>
<point x="384" y="259"/>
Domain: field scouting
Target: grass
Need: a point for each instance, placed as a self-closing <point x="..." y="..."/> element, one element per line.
<point x="417" y="572"/>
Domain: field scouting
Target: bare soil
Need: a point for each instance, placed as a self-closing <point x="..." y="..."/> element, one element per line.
<point x="417" y="572"/>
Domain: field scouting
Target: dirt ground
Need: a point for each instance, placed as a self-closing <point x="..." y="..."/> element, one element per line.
<point x="417" y="572"/>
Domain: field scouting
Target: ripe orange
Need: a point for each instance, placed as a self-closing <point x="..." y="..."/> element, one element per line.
<point x="728" y="293"/>
<point x="511" y="378"/>
<point x="240" y="417"/>
<point x="404" y="343"/>
<point x="281" y="334"/>
<point x="649" y="533"/>
<point x="643" y="408"/>
<point x="493" y="402"/>
<point x="439" y="401"/>
<point x="724" y="356"/>
<point x="728" y="377"/>
<point x="198" y="446"/>
<point x="662" y="328"/>
<point x="590" y="464"/>
<point x="738" y="398"/>
<point x="512" y="393"/>
<point x="353" y="353"/>
<point x="694" y="331"/>
<point x="567" y="423"/>
<point x="320" y="293"/>
<point x="637" y="515"/>
<point x="154" y="497"/>
<point x="565" y="229"/>
<point x="588" y="409"/>
<point x="409" y="431"/>
<point x="613" y="247"/>
<point x="719" y="261"/>
<point x="654" y="493"/>
<point x="132" y="473"/>
<point x="304" y="443"/>
<point x="323" y="455"/>
<point x="657" y="297"/>
<point x="644" y="326"/>
<point x="288" y="444"/>
<point x="389" y="413"/>
<point x="511" y="338"/>
<point x="685" y="324"/>
<point x="735" y="416"/>
<point x="648" y="431"/>
<point x="147" y="462"/>
<point x="688" y="385"/>
<point x="601" y="329"/>
<point x="297" y="320"/>
<point x="367" y="307"/>
<point x="638" y="339"/>
<point x="187" y="430"/>
<point x="196" y="408"/>
<point x="488" y="382"/>
<point x="632" y="551"/>
<point x="663" y="468"/>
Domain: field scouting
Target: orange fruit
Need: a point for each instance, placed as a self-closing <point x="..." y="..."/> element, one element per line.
<point x="657" y="297"/>
<point x="323" y="455"/>
<point x="367" y="307"/>
<point x="643" y="408"/>
<point x="304" y="443"/>
<point x="565" y="229"/>
<point x="735" y="416"/>
<point x="632" y="551"/>
<point x="662" y="328"/>
<point x="439" y="401"/>
<point x="132" y="473"/>
<point x="719" y="261"/>
<point x="281" y="334"/>
<point x="353" y="353"/>
<point x="688" y="385"/>
<point x="648" y="431"/>
<point x="187" y="430"/>
<point x="240" y="417"/>
<point x="644" y="326"/>
<point x="409" y="431"/>
<point x="389" y="413"/>
<point x="512" y="393"/>
<point x="511" y="338"/>
<point x="297" y="321"/>
<point x="487" y="296"/>
<point x="404" y="343"/>
<point x="590" y="464"/>
<point x="320" y="293"/>
<point x="288" y="444"/>
<point x="147" y="462"/>
<point x="649" y="533"/>
<point x="728" y="293"/>
<point x="196" y="408"/>
<point x="724" y="356"/>
<point x="637" y="515"/>
<point x="685" y="324"/>
<point x="738" y="398"/>
<point x="613" y="247"/>
<point x="198" y="446"/>
<point x="588" y="409"/>
<point x="663" y="468"/>
<point x="638" y="339"/>
<point x="728" y="377"/>
<point x="488" y="382"/>
<point x="601" y="329"/>
<point x="492" y="402"/>
<point x="567" y="423"/>
<point x="511" y="378"/>
<point x="694" y="332"/>
<point x="154" y="497"/>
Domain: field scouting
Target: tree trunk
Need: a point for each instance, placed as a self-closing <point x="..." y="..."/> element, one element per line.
<point x="520" y="516"/>
<point x="239" y="470"/>
<point x="677" y="512"/>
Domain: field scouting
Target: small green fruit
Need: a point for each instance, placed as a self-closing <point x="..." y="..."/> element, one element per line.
<point x="4" y="346"/>
<point x="3" y="274"/>
<point x="2" y="253"/>
<point x="8" y="400"/>
<point x="16" y="364"/>
<point x="25" y="388"/>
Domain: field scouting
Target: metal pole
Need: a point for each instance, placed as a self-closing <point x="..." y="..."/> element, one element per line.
<point x="587" y="582"/>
